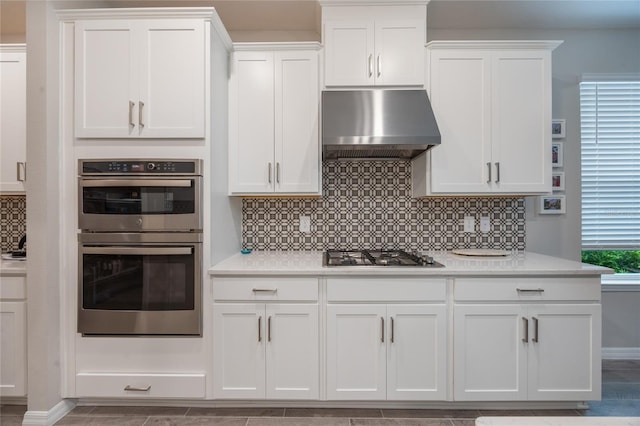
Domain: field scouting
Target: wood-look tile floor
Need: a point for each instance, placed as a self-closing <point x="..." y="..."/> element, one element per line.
<point x="620" y="397"/>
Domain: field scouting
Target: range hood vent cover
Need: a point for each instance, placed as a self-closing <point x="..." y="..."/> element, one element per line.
<point x="377" y="124"/>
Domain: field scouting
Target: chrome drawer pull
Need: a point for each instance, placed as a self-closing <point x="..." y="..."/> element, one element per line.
<point x="134" y="389"/>
<point x="264" y="290"/>
<point x="530" y="290"/>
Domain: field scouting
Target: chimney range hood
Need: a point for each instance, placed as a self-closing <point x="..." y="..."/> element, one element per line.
<point x="377" y="124"/>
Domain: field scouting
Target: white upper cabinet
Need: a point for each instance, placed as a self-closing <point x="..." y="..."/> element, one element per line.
<point x="492" y="103"/>
<point x="140" y="78"/>
<point x="13" y="115"/>
<point x="374" y="45"/>
<point x="274" y="118"/>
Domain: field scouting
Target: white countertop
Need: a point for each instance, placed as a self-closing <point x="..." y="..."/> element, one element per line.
<point x="13" y="267"/>
<point x="310" y="263"/>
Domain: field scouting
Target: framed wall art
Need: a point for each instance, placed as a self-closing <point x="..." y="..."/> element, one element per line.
<point x="557" y="128"/>
<point x="557" y="181"/>
<point x="552" y="204"/>
<point x="557" y="154"/>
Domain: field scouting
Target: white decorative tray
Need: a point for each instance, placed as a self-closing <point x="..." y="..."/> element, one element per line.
<point x="481" y="252"/>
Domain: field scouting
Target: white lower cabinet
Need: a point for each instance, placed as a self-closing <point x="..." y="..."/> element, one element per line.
<point x="265" y="350"/>
<point x="132" y="385"/>
<point x="13" y="346"/>
<point x="536" y="349"/>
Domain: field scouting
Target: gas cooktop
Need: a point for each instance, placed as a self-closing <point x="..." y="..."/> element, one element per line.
<point x="378" y="258"/>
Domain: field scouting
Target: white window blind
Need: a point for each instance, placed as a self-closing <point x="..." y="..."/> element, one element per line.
<point x="610" y="130"/>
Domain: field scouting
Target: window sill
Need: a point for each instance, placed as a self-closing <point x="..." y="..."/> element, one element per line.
<point x="621" y="282"/>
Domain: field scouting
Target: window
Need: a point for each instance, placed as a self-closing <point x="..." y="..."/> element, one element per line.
<point x="610" y="133"/>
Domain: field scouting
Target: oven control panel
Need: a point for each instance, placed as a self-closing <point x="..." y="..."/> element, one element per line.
<point x="140" y="167"/>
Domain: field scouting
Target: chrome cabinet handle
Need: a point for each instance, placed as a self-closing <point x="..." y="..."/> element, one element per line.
<point x="101" y="183"/>
<point x="382" y="329"/>
<point x="392" y="330"/>
<point x="370" y="65"/>
<point x="259" y="329"/>
<point x="535" y="330"/>
<point x="141" y="105"/>
<point x="269" y="329"/>
<point x="379" y="66"/>
<point x="269" y="172"/>
<point x="134" y="251"/>
<point x="489" y="168"/>
<point x="530" y="290"/>
<point x="21" y="171"/>
<point x="525" y="339"/>
<point x="497" y="172"/>
<point x="131" y="105"/>
<point x="278" y="172"/>
<point x="264" y="290"/>
<point x="136" y="389"/>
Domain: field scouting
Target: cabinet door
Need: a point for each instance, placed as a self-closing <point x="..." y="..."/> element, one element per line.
<point x="238" y="351"/>
<point x="356" y="352"/>
<point x="251" y="123"/>
<point x="399" y="55"/>
<point x="490" y="359"/>
<point x="521" y="119"/>
<point x="13" y="349"/>
<point x="171" y="102"/>
<point x="349" y="53"/>
<point x="292" y="351"/>
<point x="417" y="352"/>
<point x="564" y="352"/>
<point x="13" y="125"/>
<point x="106" y="66"/>
<point x="460" y="95"/>
<point x="296" y="122"/>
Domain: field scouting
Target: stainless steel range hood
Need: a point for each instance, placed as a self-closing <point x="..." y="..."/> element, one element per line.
<point x="377" y="124"/>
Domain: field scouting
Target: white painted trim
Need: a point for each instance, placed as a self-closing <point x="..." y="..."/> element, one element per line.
<point x="303" y="45"/>
<point x="372" y="2"/>
<point x="620" y="353"/>
<point x="13" y="48"/>
<point x="50" y="417"/>
<point x="495" y="44"/>
<point x="138" y="13"/>
<point x="610" y="77"/>
<point x="614" y="288"/>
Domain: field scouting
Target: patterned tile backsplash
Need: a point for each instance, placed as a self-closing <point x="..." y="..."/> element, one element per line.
<point x="368" y="204"/>
<point x="13" y="221"/>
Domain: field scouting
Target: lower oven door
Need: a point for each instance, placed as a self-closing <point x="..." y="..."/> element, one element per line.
<point x="129" y="287"/>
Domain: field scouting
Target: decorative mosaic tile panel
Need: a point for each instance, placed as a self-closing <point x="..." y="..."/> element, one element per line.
<point x="13" y="221"/>
<point x="368" y="204"/>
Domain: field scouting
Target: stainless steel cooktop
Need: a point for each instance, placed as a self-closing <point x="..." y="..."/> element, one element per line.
<point x="378" y="258"/>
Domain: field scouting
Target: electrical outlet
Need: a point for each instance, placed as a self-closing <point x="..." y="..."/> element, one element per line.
<point x="305" y="224"/>
<point x="485" y="224"/>
<point x="469" y="224"/>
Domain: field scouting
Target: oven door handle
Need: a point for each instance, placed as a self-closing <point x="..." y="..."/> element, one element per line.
<point x="100" y="183"/>
<point x="137" y="250"/>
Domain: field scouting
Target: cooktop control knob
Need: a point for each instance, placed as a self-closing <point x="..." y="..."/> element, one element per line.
<point x="151" y="166"/>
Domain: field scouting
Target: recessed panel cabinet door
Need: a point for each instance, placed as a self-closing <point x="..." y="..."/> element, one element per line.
<point x="292" y="351"/>
<point x="417" y="353"/>
<point x="238" y="351"/>
<point x="106" y="92"/>
<point x="564" y="353"/>
<point x="172" y="79"/>
<point x="489" y="354"/>
<point x="296" y="122"/>
<point x="460" y="94"/>
<point x="349" y="53"/>
<point x="13" y="123"/>
<point x="356" y="352"/>
<point x="399" y="56"/>
<point x="251" y="123"/>
<point x="13" y="349"/>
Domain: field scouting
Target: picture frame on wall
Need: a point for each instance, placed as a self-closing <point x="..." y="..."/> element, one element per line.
<point x="552" y="204"/>
<point x="557" y="181"/>
<point x="557" y="154"/>
<point x="558" y="128"/>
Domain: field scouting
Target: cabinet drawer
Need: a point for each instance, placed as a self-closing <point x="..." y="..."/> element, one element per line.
<point x="265" y="289"/>
<point x="13" y="288"/>
<point x="525" y="289"/>
<point x="148" y="385"/>
<point x="386" y="290"/>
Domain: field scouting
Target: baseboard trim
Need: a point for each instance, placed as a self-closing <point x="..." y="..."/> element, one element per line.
<point x="50" y="417"/>
<point x="620" y="353"/>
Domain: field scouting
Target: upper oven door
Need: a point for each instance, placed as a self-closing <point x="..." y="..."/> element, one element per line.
<point x="140" y="203"/>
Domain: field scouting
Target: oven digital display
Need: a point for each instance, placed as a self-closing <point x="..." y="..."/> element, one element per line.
<point x="137" y="167"/>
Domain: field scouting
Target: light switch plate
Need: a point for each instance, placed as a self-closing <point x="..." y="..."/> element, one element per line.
<point x="485" y="224"/>
<point x="305" y="224"/>
<point x="469" y="224"/>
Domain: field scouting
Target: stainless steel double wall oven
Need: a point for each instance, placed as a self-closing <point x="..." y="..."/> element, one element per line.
<point x="140" y="247"/>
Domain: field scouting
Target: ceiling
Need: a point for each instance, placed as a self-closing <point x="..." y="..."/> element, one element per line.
<point x="304" y="15"/>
